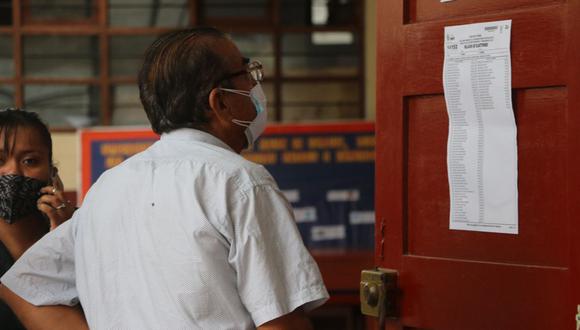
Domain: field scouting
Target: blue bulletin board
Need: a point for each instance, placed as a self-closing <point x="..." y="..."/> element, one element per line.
<point x="326" y="172"/>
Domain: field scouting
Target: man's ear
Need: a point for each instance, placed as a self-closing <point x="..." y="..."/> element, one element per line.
<point x="218" y="108"/>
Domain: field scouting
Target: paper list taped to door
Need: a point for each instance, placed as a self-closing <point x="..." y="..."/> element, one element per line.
<point x="481" y="146"/>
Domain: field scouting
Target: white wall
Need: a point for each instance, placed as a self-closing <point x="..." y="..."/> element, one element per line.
<point x="65" y="156"/>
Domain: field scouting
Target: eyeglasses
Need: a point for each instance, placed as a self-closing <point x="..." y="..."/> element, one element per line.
<point x="254" y="69"/>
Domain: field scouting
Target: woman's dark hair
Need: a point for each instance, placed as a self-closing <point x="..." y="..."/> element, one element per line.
<point x="179" y="71"/>
<point x="12" y="118"/>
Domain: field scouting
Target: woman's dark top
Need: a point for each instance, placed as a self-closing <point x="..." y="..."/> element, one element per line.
<point x="8" y="320"/>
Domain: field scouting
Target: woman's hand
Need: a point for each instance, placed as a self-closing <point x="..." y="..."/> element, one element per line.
<point x="54" y="205"/>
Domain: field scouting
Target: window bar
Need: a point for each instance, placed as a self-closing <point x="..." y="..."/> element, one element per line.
<point x="105" y="84"/>
<point x="17" y="53"/>
<point x="361" y="72"/>
<point x="277" y="74"/>
<point x="193" y="12"/>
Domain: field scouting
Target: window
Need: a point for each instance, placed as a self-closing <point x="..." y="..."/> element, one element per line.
<point x="60" y="56"/>
<point x="5" y="12"/>
<point x="6" y="62"/>
<point x="6" y="95"/>
<point x="58" y="11"/>
<point x="312" y="52"/>
<point x="127" y="109"/>
<point x="236" y="10"/>
<point x="320" y="54"/>
<point x="126" y="52"/>
<point x="64" y="105"/>
<point x="139" y="13"/>
<point x="76" y="62"/>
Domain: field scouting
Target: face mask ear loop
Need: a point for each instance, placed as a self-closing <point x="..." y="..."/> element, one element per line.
<point x="243" y="123"/>
<point x="236" y="91"/>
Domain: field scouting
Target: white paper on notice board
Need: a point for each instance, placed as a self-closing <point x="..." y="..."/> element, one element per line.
<point x="481" y="146"/>
<point x="305" y="214"/>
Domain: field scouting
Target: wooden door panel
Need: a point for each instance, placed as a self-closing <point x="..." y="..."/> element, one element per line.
<point x="471" y="295"/>
<point x="537" y="63"/>
<point x="541" y="117"/>
<point x="416" y="11"/>
<point x="452" y="279"/>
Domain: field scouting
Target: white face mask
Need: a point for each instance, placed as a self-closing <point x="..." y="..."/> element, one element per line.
<point x="255" y="127"/>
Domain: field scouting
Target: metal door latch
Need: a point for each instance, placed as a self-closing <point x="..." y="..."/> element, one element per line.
<point x="378" y="291"/>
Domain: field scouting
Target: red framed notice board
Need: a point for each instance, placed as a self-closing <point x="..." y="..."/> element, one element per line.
<point x="325" y="170"/>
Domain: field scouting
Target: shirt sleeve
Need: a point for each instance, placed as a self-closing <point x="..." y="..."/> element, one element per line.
<point x="275" y="272"/>
<point x="45" y="273"/>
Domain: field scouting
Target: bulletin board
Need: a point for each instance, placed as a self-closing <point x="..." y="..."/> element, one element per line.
<point x="326" y="172"/>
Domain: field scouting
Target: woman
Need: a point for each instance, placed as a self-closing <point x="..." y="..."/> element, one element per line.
<point x="31" y="194"/>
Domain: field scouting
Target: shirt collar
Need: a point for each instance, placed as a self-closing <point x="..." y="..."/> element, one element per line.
<point x="190" y="134"/>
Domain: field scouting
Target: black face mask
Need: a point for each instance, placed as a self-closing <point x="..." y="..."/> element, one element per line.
<point x="18" y="196"/>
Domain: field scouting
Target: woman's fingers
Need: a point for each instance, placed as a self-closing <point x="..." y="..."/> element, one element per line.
<point x="55" y="206"/>
<point x="52" y="190"/>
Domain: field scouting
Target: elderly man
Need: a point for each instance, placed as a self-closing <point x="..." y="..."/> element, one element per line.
<point x="187" y="234"/>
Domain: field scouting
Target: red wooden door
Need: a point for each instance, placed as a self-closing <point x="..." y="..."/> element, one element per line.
<point x="451" y="279"/>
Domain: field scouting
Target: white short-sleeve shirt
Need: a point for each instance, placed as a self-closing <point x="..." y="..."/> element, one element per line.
<point x="185" y="235"/>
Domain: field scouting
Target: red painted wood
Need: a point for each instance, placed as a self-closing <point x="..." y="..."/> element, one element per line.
<point x="533" y="64"/>
<point x="428" y="10"/>
<point x="542" y="168"/>
<point x="326" y="127"/>
<point x="573" y="157"/>
<point x="473" y="280"/>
